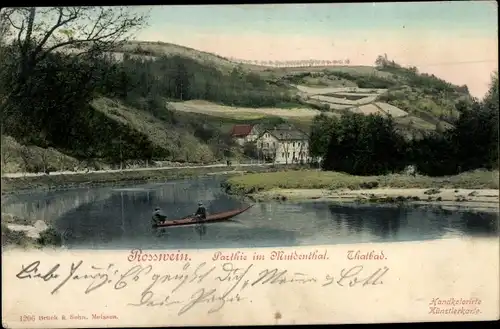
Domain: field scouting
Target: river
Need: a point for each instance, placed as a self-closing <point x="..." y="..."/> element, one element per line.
<point x="119" y="218"/>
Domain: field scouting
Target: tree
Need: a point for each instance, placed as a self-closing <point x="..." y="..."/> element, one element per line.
<point x="44" y="159"/>
<point x="321" y="130"/>
<point x="89" y="31"/>
<point x="272" y="152"/>
<point x="4" y="27"/>
<point x="301" y="152"/>
<point x="181" y="80"/>
<point x="27" y="159"/>
<point x="286" y="147"/>
<point x="365" y="145"/>
<point x="380" y="61"/>
<point x="440" y="127"/>
<point x="491" y="98"/>
<point x="250" y="150"/>
<point x="6" y="153"/>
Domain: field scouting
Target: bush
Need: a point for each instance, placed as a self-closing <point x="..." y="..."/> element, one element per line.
<point x="50" y="237"/>
<point x="16" y="238"/>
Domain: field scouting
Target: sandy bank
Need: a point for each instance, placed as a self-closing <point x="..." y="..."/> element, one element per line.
<point x="478" y="199"/>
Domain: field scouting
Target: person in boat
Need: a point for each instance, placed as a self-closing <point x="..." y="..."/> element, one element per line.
<point x="158" y="216"/>
<point x="201" y="212"/>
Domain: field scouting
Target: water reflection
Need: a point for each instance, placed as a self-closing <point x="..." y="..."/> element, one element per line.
<point x="121" y="218"/>
<point x="392" y="222"/>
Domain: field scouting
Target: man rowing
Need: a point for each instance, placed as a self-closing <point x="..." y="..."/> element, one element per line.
<point x="201" y="212"/>
<point x="158" y="216"/>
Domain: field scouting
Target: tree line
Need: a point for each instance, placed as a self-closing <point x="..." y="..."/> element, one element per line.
<point x="293" y="63"/>
<point x="372" y="145"/>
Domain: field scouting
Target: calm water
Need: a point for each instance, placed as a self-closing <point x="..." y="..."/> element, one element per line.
<point x="120" y="218"/>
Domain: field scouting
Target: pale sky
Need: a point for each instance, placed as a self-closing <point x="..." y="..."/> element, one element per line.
<point x="454" y="40"/>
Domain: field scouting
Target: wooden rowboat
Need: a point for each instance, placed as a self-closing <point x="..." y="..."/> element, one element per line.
<point x="215" y="218"/>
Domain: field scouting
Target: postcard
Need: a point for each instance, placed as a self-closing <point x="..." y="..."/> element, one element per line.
<point x="249" y="164"/>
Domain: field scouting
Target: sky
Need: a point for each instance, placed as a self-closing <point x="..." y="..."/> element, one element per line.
<point x="455" y="40"/>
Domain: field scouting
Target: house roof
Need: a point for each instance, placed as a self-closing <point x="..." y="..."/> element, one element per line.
<point x="289" y="134"/>
<point x="241" y="130"/>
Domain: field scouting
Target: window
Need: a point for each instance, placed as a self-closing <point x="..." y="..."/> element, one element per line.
<point x="293" y="144"/>
<point x="267" y="144"/>
<point x="274" y="143"/>
<point x="293" y="155"/>
<point x="283" y="154"/>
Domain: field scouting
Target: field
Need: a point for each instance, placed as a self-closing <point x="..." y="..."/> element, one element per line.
<point x="391" y="110"/>
<point x="368" y="109"/>
<point x="344" y="90"/>
<point x="209" y="108"/>
<point x="357" y="100"/>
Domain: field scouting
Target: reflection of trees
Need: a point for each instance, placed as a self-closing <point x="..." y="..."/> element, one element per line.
<point x="354" y="220"/>
<point x="423" y="223"/>
<point x="480" y="223"/>
<point x="384" y="222"/>
<point x="50" y="206"/>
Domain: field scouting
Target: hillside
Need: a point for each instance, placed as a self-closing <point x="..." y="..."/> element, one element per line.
<point x="418" y="102"/>
<point x="158" y="101"/>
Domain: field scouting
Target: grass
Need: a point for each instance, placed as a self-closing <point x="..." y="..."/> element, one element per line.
<point x="17" y="157"/>
<point x="311" y="179"/>
<point x="160" y="133"/>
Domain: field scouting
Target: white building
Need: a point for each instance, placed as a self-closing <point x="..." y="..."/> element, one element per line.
<point x="284" y="145"/>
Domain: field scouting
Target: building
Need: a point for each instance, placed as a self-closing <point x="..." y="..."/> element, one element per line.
<point x="244" y="133"/>
<point x="284" y="144"/>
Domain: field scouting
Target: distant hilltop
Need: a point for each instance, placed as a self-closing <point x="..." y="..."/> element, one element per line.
<point x="293" y="63"/>
<point x="151" y="50"/>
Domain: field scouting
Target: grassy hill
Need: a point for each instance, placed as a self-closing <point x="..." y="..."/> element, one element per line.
<point x="427" y="100"/>
<point x="161" y="101"/>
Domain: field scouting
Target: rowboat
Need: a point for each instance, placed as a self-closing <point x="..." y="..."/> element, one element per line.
<point x="214" y="218"/>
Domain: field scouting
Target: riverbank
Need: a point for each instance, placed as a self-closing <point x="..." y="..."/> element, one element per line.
<point x="476" y="190"/>
<point x="92" y="179"/>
